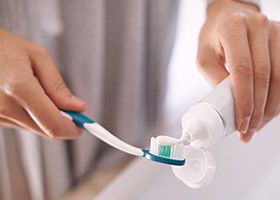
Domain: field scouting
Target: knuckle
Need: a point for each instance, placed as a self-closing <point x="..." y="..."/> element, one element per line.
<point x="230" y="22"/>
<point x="40" y="51"/>
<point x="243" y="68"/>
<point x="260" y="20"/>
<point x="262" y="76"/>
<point x="235" y="18"/>
<point x="13" y="87"/>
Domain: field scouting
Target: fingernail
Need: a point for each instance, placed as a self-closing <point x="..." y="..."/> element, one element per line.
<point x="249" y="135"/>
<point x="245" y="125"/>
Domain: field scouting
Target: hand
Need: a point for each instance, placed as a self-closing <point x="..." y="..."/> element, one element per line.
<point x="238" y="36"/>
<point x="32" y="90"/>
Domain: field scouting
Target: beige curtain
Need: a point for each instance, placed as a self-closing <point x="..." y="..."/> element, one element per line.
<point x="112" y="53"/>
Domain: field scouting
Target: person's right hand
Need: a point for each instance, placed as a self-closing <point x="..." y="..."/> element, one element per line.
<point x="32" y="90"/>
<point x="237" y="35"/>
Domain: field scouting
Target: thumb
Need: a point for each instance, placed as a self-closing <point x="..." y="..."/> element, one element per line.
<point x="211" y="66"/>
<point x="53" y="84"/>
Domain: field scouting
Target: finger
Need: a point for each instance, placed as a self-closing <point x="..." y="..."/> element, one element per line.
<point x="11" y="111"/>
<point x="258" y="40"/>
<point x="238" y="58"/>
<point x="42" y="110"/>
<point x="273" y="100"/>
<point x="52" y="82"/>
<point x="5" y="123"/>
<point x="211" y="65"/>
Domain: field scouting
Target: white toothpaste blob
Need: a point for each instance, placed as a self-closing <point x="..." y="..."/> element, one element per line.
<point x="166" y="146"/>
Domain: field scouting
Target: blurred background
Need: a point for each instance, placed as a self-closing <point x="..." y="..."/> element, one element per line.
<point x="111" y="53"/>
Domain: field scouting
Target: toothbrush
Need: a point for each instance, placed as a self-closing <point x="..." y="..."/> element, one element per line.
<point x="164" y="149"/>
<point x="204" y="124"/>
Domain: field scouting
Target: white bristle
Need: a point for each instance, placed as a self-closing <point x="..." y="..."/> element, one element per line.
<point x="176" y="146"/>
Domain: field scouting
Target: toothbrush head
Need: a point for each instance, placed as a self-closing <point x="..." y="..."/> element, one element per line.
<point x="166" y="150"/>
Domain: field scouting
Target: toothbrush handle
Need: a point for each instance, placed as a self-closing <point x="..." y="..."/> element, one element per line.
<point x="101" y="133"/>
<point x="78" y="118"/>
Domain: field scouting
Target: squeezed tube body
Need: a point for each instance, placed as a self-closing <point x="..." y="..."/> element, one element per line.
<point x="206" y="123"/>
<point x="212" y="118"/>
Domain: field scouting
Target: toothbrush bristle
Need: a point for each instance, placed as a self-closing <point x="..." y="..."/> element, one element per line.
<point x="164" y="150"/>
<point x="173" y="150"/>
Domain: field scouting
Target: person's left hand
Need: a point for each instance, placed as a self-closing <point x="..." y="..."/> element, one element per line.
<point x="238" y="36"/>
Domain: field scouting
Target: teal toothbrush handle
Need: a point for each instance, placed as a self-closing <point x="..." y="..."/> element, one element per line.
<point x="78" y="118"/>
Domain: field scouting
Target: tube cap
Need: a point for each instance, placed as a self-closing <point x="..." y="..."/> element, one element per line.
<point x="199" y="168"/>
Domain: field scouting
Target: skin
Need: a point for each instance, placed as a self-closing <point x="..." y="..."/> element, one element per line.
<point x="237" y="36"/>
<point x="31" y="90"/>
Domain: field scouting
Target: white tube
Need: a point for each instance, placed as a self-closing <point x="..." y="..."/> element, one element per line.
<point x="212" y="118"/>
